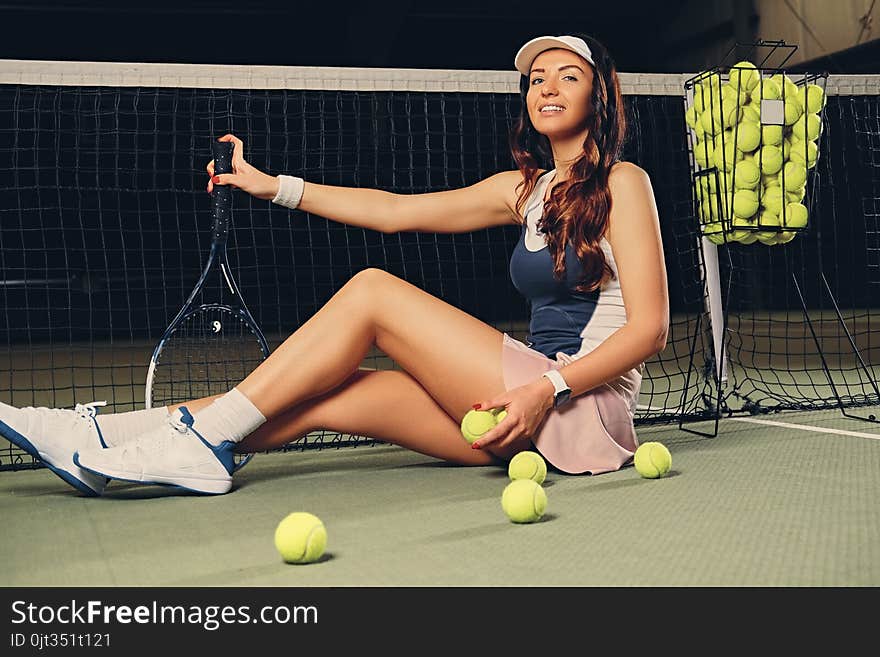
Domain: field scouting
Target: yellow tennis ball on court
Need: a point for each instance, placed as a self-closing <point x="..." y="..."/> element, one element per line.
<point x="652" y="460"/>
<point x="794" y="176"/>
<point x="475" y="423"/>
<point x="527" y="465"/>
<point x="300" y="538"/>
<point x="771" y="159"/>
<point x="523" y="500"/>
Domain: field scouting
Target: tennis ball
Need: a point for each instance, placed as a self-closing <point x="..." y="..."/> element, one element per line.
<point x="746" y="175"/>
<point x="794" y="176"/>
<point x="745" y="203"/>
<point x="726" y="155"/>
<point x="527" y="465"/>
<point x="815" y="98"/>
<point x="805" y="152"/>
<point x="710" y="120"/>
<point x="787" y="88"/>
<point x="740" y="228"/>
<point x="768" y="225"/>
<point x="300" y="538"/>
<point x="652" y="460"/>
<point x="771" y="159"/>
<point x="771" y="135"/>
<point x="785" y="237"/>
<point x="732" y="93"/>
<point x="744" y="76"/>
<point x="716" y="237"/>
<point x="792" y="110"/>
<point x="748" y="136"/>
<point x="475" y="423"/>
<point x="770" y="90"/>
<point x="796" y="215"/>
<point x="807" y="127"/>
<point x="691" y="117"/>
<point x="704" y="154"/>
<point x="797" y="195"/>
<point x="751" y="238"/>
<point x="751" y="112"/>
<point x="523" y="500"/>
<point x="772" y="199"/>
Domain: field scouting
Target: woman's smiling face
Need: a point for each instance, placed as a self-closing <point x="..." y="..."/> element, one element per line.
<point x="560" y="88"/>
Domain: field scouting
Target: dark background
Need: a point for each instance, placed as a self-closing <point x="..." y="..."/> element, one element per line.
<point x="642" y="35"/>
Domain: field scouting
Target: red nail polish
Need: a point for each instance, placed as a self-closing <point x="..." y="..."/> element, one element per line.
<point x="215" y="179"/>
<point x="477" y="407"/>
<point x="475" y="446"/>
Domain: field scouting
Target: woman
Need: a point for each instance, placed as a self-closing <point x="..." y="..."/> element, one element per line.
<point x="590" y="261"/>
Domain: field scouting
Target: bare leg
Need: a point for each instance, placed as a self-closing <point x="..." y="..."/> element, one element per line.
<point x="312" y="381"/>
<point x="387" y="405"/>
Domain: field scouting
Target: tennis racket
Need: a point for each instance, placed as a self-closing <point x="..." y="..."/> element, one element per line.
<point x="213" y="342"/>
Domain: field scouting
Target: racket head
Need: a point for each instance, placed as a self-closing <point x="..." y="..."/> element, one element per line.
<point x="207" y="351"/>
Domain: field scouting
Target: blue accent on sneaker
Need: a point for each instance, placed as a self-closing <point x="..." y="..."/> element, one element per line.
<point x="186" y="417"/>
<point x="20" y="441"/>
<point x="100" y="434"/>
<point x="224" y="451"/>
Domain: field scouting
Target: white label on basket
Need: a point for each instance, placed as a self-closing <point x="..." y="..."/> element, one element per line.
<point x="772" y="112"/>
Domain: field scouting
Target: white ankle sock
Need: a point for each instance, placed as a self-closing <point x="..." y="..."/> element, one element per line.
<point x="117" y="428"/>
<point x="231" y="417"/>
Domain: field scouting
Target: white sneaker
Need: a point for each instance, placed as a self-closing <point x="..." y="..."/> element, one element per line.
<point x="173" y="455"/>
<point x="53" y="435"/>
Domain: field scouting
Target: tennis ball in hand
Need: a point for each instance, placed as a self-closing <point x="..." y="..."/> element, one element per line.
<point x="300" y="538"/>
<point x="527" y="465"/>
<point x="652" y="460"/>
<point x="523" y="500"/>
<point x="475" y="423"/>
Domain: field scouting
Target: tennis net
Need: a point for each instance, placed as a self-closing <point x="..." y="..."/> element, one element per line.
<point x="104" y="225"/>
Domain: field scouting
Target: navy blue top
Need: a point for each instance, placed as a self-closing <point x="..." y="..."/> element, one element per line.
<point x="559" y="314"/>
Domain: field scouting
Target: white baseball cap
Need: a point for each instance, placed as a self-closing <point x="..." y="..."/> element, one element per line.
<point x="526" y="55"/>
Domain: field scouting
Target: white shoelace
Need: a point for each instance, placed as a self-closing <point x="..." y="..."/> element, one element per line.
<point x="88" y="411"/>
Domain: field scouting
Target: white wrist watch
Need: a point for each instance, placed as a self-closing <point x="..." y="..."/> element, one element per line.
<point x="562" y="393"/>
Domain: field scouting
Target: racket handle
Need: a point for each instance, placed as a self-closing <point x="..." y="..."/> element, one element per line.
<point x="221" y="197"/>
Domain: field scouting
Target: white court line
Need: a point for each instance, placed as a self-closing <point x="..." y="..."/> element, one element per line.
<point x="805" y="427"/>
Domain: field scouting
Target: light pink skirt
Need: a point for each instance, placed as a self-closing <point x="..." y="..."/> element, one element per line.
<point x="591" y="434"/>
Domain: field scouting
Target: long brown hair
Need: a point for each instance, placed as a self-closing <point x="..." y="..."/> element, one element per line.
<point x="578" y="209"/>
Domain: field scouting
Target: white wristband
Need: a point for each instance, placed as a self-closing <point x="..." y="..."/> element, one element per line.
<point x="290" y="191"/>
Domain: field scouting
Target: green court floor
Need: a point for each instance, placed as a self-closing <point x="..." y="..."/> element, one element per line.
<point x="758" y="505"/>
